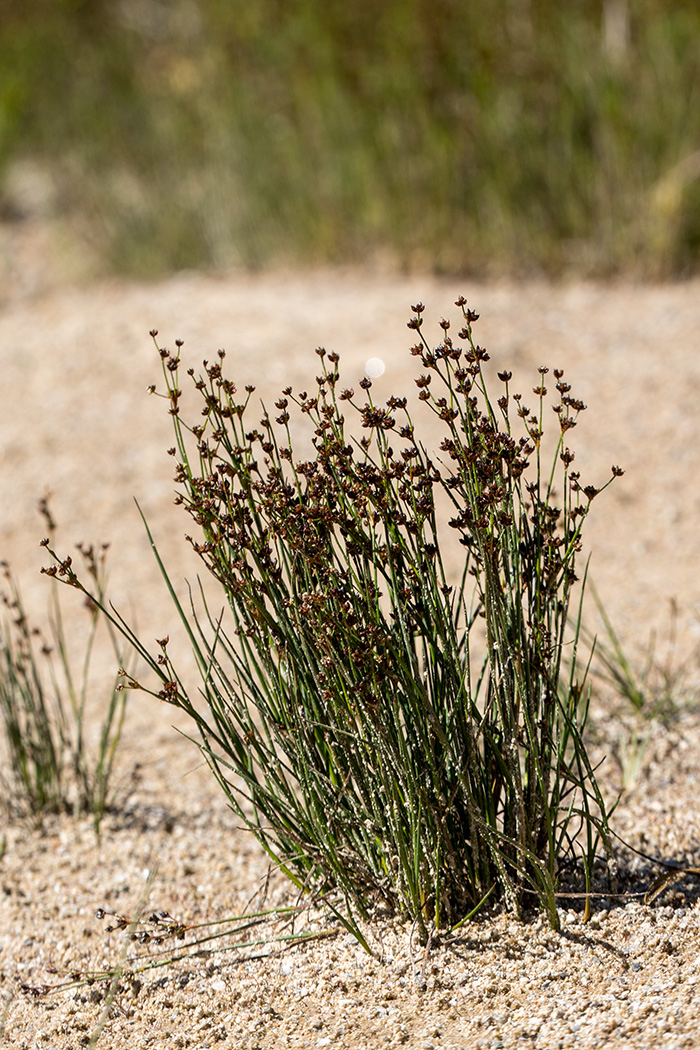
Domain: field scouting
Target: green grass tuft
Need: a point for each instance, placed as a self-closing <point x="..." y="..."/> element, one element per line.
<point x="50" y="765"/>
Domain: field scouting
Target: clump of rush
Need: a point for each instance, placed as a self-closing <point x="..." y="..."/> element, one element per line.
<point x="394" y="733"/>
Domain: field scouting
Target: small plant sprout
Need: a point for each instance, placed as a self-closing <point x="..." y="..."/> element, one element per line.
<point x="51" y="766"/>
<point x="392" y="732"/>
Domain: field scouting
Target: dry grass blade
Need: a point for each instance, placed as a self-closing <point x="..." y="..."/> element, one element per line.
<point x="668" y="878"/>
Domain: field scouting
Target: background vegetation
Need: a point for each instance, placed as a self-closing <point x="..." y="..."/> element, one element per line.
<point x="473" y="135"/>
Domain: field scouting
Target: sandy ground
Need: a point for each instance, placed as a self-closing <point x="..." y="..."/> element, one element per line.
<point x="76" y="420"/>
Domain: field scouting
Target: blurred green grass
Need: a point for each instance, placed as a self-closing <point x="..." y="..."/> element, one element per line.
<point x="486" y="137"/>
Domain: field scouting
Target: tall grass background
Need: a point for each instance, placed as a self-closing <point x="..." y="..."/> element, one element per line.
<point x="479" y="136"/>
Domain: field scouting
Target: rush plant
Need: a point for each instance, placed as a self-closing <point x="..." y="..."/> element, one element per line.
<point x="388" y="729"/>
<point x="50" y="764"/>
